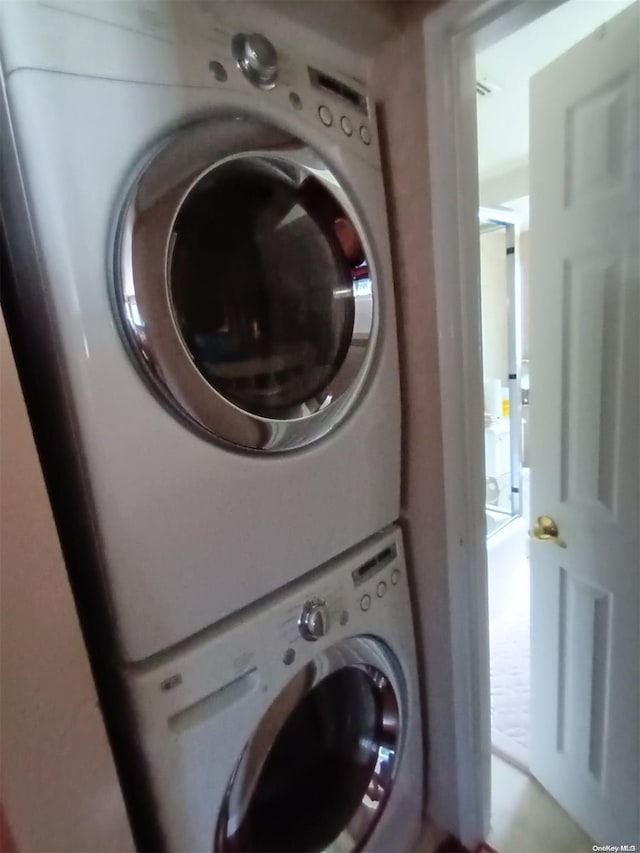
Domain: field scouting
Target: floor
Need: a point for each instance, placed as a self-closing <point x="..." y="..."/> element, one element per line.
<point x="524" y="818"/>
<point x="429" y="839"/>
<point x="496" y="520"/>
<point x="508" y="573"/>
<point x="509" y="656"/>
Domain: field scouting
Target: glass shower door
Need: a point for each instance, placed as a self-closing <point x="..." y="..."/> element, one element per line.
<point x="502" y="362"/>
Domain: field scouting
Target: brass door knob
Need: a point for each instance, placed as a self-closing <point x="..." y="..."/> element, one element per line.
<point x="546" y="530"/>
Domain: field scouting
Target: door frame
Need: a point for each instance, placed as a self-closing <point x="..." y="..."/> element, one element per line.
<point x="451" y="36"/>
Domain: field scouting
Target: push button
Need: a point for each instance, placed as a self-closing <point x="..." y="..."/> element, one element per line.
<point x="365" y="602"/>
<point x="325" y="116"/>
<point x="365" y="134"/>
<point x="345" y="124"/>
<point x="381" y="589"/>
<point x="395" y="576"/>
<point x="219" y="71"/>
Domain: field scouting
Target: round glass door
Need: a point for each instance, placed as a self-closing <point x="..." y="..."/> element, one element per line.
<point x="254" y="321"/>
<point x="322" y="780"/>
<point x="261" y="279"/>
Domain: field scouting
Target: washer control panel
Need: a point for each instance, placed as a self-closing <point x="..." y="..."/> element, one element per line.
<point x="368" y="575"/>
<point x="335" y="603"/>
<point x="314" y="621"/>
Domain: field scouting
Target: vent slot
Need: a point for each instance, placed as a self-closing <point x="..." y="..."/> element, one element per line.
<point x="374" y="565"/>
<point x="482" y="89"/>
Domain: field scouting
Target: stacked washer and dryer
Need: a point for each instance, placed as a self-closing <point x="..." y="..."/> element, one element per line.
<point x="199" y="211"/>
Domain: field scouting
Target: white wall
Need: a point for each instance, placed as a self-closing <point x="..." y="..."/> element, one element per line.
<point x="495" y="192"/>
<point x="59" y="786"/>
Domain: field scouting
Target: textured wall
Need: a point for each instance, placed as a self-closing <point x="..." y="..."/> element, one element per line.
<point x="357" y="25"/>
<point x="58" y="782"/>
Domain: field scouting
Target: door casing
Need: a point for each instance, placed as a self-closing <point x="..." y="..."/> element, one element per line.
<point x="452" y="35"/>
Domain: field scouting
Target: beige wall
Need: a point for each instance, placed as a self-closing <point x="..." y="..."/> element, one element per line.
<point x="397" y="79"/>
<point x="59" y="788"/>
<point x="495" y="305"/>
<point x="360" y="26"/>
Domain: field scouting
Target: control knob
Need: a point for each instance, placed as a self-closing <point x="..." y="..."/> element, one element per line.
<point x="314" y="619"/>
<point x="257" y="58"/>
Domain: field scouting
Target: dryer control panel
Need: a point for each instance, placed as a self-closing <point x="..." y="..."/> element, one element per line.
<point x="201" y="45"/>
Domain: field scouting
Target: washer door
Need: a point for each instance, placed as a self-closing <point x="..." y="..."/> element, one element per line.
<point x="244" y="285"/>
<point x="317" y="772"/>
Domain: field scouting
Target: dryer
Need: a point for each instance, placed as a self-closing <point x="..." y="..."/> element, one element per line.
<point x="208" y="229"/>
<point x="295" y="725"/>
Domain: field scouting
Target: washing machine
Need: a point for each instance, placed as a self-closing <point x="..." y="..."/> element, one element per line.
<point x="196" y="217"/>
<point x="294" y="725"/>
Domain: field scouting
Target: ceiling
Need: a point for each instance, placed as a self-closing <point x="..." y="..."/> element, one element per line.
<point x="503" y="115"/>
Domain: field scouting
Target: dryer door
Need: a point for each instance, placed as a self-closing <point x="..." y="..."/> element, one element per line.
<point x="244" y="285"/>
<point x="318" y="770"/>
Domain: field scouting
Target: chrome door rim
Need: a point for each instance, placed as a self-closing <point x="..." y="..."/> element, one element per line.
<point x="141" y="288"/>
<point x="378" y="662"/>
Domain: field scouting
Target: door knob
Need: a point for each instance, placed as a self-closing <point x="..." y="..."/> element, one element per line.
<point x="546" y="530"/>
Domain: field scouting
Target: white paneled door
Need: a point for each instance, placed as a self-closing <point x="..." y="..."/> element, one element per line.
<point x="585" y="387"/>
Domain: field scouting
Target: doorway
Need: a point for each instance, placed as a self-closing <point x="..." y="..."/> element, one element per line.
<point x="503" y="74"/>
<point x="580" y="294"/>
